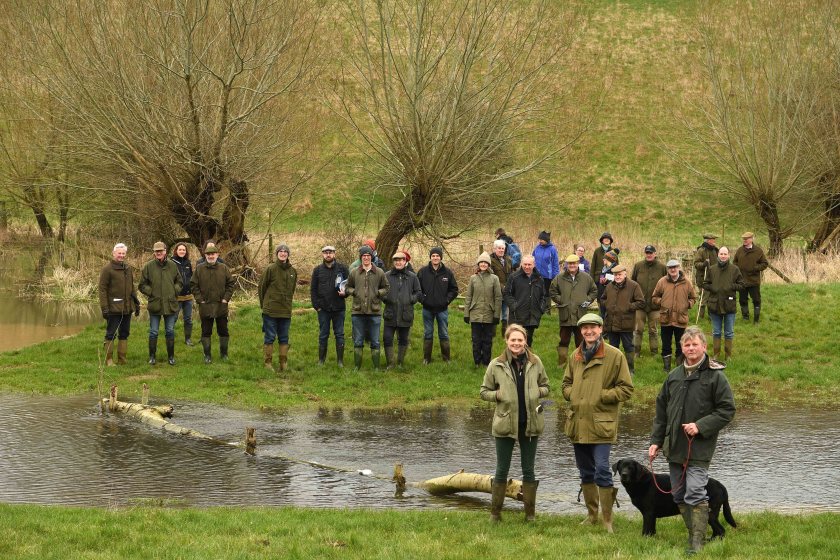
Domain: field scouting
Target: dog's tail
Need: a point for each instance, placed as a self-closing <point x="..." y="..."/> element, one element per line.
<point x="727" y="512"/>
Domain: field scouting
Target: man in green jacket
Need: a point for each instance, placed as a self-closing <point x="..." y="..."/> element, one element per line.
<point x="705" y="256"/>
<point x="693" y="406"/>
<point x="118" y="301"/>
<point x="367" y="285"/>
<point x="573" y="290"/>
<point x="277" y="289"/>
<point x="646" y="274"/>
<point x="212" y="285"/>
<point x="750" y="260"/>
<point x="160" y="282"/>
<point x="596" y="382"/>
<point x="722" y="284"/>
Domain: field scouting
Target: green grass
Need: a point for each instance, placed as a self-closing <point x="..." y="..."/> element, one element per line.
<point x="786" y="359"/>
<point x="68" y="533"/>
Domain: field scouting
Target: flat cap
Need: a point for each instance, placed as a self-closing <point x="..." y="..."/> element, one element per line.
<point x="590" y="319"/>
<point x="572" y="259"/>
<point x="326" y="248"/>
<point x="709" y="236"/>
<point x="747" y="234"/>
<point x="159" y="246"/>
<point x="618" y="268"/>
<point x="672" y="263"/>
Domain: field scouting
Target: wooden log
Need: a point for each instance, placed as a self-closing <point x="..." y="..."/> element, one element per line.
<point x="780" y="274"/>
<point x="250" y="440"/>
<point x="458" y="482"/>
<point x="153" y="416"/>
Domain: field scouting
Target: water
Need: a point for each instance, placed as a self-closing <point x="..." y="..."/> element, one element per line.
<point x="61" y="451"/>
<point x="24" y="322"/>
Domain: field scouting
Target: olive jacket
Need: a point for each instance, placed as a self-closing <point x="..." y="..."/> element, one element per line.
<point x="704" y="398"/>
<point x="621" y="302"/>
<point x="502" y="268"/>
<point x="705" y="256"/>
<point x="751" y="262"/>
<point x="525" y="297"/>
<point x="277" y="289"/>
<point x="499" y="386"/>
<point x="647" y="274"/>
<point x="367" y="287"/>
<point x="161" y="283"/>
<point x="595" y="391"/>
<point x="569" y="293"/>
<point x="483" y="302"/>
<point x="116" y="289"/>
<point x="722" y="284"/>
<point x="403" y="293"/>
<point x="210" y="284"/>
<point x="674" y="298"/>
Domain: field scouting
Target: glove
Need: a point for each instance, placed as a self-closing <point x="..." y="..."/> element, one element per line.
<point x="585" y="304"/>
<point x="105" y="314"/>
<point x="495" y="320"/>
<point x="467" y="319"/>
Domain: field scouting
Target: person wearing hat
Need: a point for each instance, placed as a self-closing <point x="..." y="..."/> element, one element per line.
<point x="606" y="275"/>
<point x="181" y="258"/>
<point x="525" y="295"/>
<point x="705" y="256"/>
<point x="723" y="281"/>
<point x="674" y="295"/>
<point x="596" y="382"/>
<point x="605" y="244"/>
<point x="750" y="259"/>
<point x="161" y="283"/>
<point x="403" y="293"/>
<point x="572" y="291"/>
<point x="546" y="259"/>
<point x="622" y="298"/>
<point x="515" y="382"/>
<point x="117" y="300"/>
<point x="212" y="286"/>
<point x="326" y="292"/>
<point x="694" y="404"/>
<point x="502" y="266"/>
<point x="367" y="285"/>
<point x="276" y="291"/>
<point x="647" y="273"/>
<point x="371" y="244"/>
<point x="483" y="309"/>
<point x="438" y="288"/>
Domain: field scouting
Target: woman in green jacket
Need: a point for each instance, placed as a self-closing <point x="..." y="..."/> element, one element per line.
<point x="515" y="381"/>
<point x="277" y="288"/>
<point x="483" y="309"/>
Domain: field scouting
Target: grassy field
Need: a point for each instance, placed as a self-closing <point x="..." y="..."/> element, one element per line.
<point x="33" y="532"/>
<point x="786" y="359"/>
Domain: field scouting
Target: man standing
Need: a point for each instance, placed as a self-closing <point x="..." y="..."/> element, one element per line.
<point x="403" y="293"/>
<point x="573" y="291"/>
<point x="502" y="267"/>
<point x="705" y="256"/>
<point x="438" y="288"/>
<point x="161" y="283"/>
<point x="212" y="285"/>
<point x="723" y="281"/>
<point x="525" y="296"/>
<point x="327" y="294"/>
<point x="750" y="259"/>
<point x="276" y="291"/>
<point x="546" y="259"/>
<point x="622" y="298"/>
<point x="368" y="285"/>
<point x="647" y="273"/>
<point x="117" y="300"/>
<point x="674" y="296"/>
<point x="596" y="382"/>
<point x="693" y="406"/>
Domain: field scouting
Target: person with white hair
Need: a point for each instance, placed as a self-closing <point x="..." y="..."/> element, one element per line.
<point x="502" y="266"/>
<point x="117" y="300"/>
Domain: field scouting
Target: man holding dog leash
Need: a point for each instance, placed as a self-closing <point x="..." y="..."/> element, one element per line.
<point x="693" y="406"/>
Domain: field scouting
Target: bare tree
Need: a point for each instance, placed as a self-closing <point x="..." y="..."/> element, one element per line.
<point x="445" y="96"/>
<point x="178" y="110"/>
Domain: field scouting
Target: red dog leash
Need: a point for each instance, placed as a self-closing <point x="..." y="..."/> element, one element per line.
<point x="682" y="477"/>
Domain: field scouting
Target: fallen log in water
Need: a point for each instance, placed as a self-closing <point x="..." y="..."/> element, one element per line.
<point x="457" y="482"/>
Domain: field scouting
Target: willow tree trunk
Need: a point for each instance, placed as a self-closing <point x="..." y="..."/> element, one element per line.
<point x="768" y="210"/>
<point x="404" y="219"/>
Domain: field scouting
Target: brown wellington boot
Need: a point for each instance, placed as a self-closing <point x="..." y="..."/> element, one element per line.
<point x="401" y="352"/>
<point x="590" y="498"/>
<point x="108" y="345"/>
<point x="562" y="357"/>
<point x="529" y="498"/>
<point x="122" y="352"/>
<point x="699" y="524"/>
<point x="716" y="349"/>
<point x="497" y="500"/>
<point x="607" y="497"/>
<point x="427" y="351"/>
<point x="268" y="357"/>
<point x="284" y="357"/>
<point x="727" y="349"/>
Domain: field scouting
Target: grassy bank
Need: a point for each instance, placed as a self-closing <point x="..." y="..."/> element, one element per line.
<point x="59" y="532"/>
<point x="787" y="359"/>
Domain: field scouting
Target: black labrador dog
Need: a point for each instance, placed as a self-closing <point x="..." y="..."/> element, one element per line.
<point x="638" y="482"/>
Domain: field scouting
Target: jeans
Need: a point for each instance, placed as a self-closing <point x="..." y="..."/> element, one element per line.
<point x="669" y="333"/>
<point x="692" y="490"/>
<point x="121" y="323"/>
<point x="527" y="455"/>
<point x="429" y="318"/>
<point x="388" y="336"/>
<point x="728" y="321"/>
<point x="168" y="325"/>
<point x="221" y="326"/>
<point x="276" y="328"/>
<point x="593" y="463"/>
<point x="625" y="338"/>
<point x="366" y="325"/>
<point x="324" y="320"/>
<point x="186" y="309"/>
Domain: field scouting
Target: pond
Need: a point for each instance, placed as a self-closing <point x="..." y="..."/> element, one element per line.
<point x="61" y="451"/>
<point x="24" y="321"/>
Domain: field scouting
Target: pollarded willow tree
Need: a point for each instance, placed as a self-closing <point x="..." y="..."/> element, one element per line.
<point x="449" y="98"/>
<point x="177" y="111"/>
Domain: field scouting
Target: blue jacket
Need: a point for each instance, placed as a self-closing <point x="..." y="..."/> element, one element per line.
<point x="546" y="260"/>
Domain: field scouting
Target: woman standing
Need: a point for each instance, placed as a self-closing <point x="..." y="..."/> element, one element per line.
<point x="515" y="381"/>
<point x="277" y="288"/>
<point x="483" y="309"/>
<point x="181" y="258"/>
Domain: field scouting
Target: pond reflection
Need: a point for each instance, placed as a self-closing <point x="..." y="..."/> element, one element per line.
<point x="24" y="322"/>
